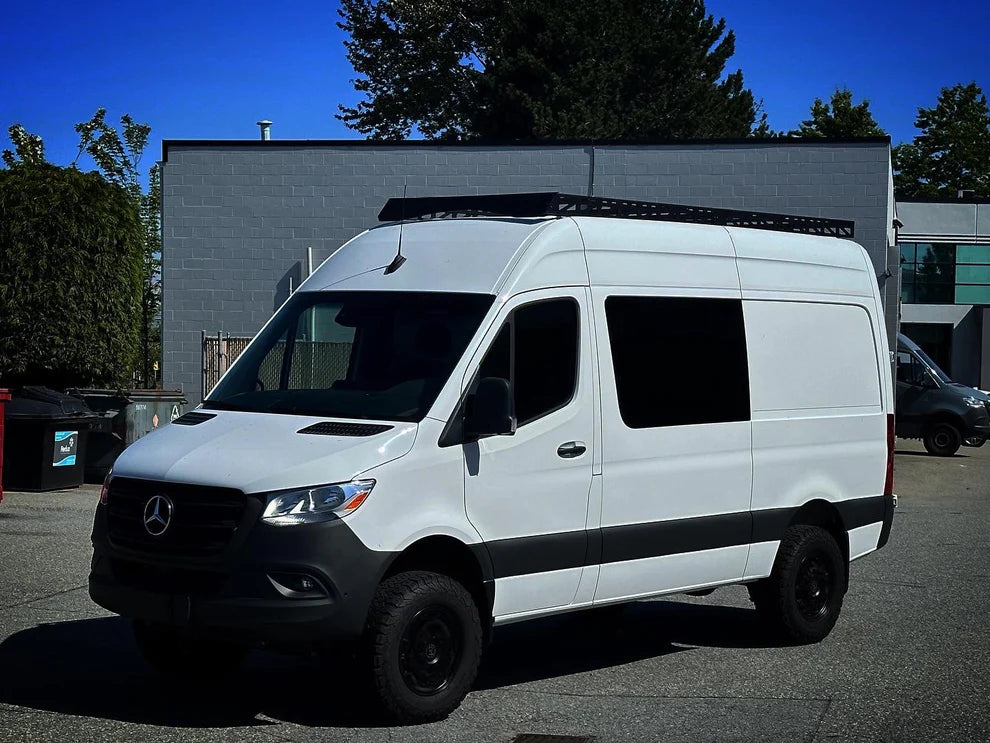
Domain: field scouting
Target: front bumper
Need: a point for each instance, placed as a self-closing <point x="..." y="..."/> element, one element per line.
<point x="233" y="593"/>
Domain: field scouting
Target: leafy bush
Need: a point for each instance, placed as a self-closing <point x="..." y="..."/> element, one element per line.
<point x="70" y="278"/>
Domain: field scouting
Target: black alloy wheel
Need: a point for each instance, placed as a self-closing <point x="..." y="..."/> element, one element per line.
<point x="942" y="439"/>
<point x="813" y="587"/>
<point x="801" y="599"/>
<point x="430" y="650"/>
<point x="423" y="644"/>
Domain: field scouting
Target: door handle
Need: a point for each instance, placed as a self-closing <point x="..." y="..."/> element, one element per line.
<point x="571" y="449"/>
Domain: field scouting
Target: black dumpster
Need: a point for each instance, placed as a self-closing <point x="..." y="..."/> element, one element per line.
<point x="126" y="416"/>
<point x="45" y="439"/>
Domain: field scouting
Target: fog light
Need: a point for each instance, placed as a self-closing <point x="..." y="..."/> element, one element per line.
<point x="296" y="585"/>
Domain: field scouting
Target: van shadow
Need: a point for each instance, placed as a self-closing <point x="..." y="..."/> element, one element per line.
<point x="91" y="667"/>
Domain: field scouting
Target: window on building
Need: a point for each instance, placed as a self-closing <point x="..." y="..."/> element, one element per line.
<point x="945" y="273"/>
<point x="678" y="361"/>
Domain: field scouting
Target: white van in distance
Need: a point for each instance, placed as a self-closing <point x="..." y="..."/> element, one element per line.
<point x="502" y="407"/>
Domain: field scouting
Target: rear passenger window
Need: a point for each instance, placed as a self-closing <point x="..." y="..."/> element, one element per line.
<point x="678" y="361"/>
<point x="537" y="350"/>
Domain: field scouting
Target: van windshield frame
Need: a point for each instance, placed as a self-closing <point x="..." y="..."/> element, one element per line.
<point x="366" y="355"/>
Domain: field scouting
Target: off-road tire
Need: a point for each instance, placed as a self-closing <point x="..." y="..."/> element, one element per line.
<point x="414" y="616"/>
<point x="181" y="655"/>
<point x="801" y="600"/>
<point x="942" y="439"/>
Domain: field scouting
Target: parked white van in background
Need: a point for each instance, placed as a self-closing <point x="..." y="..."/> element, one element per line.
<point x="463" y="421"/>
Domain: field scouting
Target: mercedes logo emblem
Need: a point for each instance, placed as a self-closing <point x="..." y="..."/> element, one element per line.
<point x="158" y="514"/>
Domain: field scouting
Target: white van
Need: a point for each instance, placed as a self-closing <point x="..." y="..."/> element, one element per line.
<point x="458" y="422"/>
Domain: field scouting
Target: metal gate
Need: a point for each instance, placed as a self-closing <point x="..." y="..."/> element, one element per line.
<point x="219" y="352"/>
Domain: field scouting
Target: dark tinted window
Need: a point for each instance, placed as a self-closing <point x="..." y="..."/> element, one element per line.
<point x="353" y="355"/>
<point x="678" y="361"/>
<point x="545" y="358"/>
<point x="537" y="350"/>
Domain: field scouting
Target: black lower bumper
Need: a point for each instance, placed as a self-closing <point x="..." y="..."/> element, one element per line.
<point x="888" y="520"/>
<point x="235" y="593"/>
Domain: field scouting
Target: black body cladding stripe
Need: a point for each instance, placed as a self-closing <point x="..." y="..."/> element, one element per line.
<point x="573" y="549"/>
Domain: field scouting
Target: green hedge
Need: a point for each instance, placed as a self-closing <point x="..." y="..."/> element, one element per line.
<point x="70" y="278"/>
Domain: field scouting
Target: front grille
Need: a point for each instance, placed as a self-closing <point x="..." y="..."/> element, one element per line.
<point x="203" y="519"/>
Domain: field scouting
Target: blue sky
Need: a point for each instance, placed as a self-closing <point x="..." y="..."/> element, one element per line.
<point x="210" y="70"/>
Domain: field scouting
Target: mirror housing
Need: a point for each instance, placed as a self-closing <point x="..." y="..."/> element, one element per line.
<point x="490" y="411"/>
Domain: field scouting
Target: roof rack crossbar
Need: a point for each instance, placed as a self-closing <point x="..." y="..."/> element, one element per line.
<point x="555" y="204"/>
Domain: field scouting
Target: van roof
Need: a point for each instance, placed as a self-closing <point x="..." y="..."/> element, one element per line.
<point x="510" y="254"/>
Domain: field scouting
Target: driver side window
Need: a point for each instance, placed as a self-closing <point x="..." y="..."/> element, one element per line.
<point x="909" y="370"/>
<point x="537" y="351"/>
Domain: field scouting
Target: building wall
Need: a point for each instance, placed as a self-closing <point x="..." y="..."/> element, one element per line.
<point x="949" y="222"/>
<point x="239" y="217"/>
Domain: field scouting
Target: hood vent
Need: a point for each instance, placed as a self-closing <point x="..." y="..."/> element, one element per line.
<point x="334" y="428"/>
<point x="193" y="419"/>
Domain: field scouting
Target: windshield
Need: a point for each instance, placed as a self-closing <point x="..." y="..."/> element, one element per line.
<point x="377" y="355"/>
<point x="933" y="367"/>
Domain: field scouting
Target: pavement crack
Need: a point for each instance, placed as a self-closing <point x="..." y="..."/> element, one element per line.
<point x="42" y="598"/>
<point x="821" y="720"/>
<point x="669" y="696"/>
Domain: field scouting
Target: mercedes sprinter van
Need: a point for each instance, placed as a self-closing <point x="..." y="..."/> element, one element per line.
<point x="461" y="421"/>
<point x="943" y="414"/>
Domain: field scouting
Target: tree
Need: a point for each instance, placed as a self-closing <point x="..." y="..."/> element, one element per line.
<point x="118" y="157"/>
<point x="839" y="119"/>
<point x="952" y="152"/>
<point x="29" y="149"/>
<point x="70" y="277"/>
<point x="476" y="69"/>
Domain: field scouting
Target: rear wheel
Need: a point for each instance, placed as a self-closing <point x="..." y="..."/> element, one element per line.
<point x="802" y="598"/>
<point x="975" y="441"/>
<point x="943" y="439"/>
<point x="178" y="654"/>
<point x="423" y="641"/>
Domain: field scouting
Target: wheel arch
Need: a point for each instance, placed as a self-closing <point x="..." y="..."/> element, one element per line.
<point x="825" y="515"/>
<point x="470" y="565"/>
<point x="945" y="416"/>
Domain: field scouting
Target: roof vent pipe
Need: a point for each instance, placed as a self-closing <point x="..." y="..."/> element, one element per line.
<point x="266" y="129"/>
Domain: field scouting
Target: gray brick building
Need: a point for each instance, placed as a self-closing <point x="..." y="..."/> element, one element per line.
<point x="239" y="216"/>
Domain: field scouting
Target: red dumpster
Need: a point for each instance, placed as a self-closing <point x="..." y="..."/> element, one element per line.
<point x="4" y="396"/>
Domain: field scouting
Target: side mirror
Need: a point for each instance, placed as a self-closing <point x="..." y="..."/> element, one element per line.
<point x="490" y="411"/>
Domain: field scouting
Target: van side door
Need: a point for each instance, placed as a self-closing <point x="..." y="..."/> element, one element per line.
<point x="676" y="441"/>
<point x="527" y="493"/>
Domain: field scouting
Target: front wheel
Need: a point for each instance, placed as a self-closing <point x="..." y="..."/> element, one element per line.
<point x="177" y="654"/>
<point x="801" y="599"/>
<point x="943" y="439"/>
<point x="975" y="441"/>
<point x="424" y="640"/>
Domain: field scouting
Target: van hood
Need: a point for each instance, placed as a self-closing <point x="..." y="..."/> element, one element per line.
<point x="259" y="452"/>
<point x="970" y="391"/>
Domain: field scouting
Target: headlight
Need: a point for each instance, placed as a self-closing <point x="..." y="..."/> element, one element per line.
<point x="310" y="505"/>
<point x="973" y="402"/>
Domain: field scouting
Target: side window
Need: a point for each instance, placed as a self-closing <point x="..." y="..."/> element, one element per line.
<point x="909" y="369"/>
<point x="678" y="361"/>
<point x="537" y="351"/>
<point x="545" y="358"/>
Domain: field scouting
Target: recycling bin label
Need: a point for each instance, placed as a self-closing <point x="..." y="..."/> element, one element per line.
<point x="65" y="448"/>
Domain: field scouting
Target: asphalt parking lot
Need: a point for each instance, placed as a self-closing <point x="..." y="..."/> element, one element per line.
<point x="908" y="661"/>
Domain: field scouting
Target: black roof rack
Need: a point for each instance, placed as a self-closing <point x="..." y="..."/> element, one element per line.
<point x="554" y="204"/>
